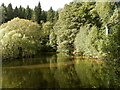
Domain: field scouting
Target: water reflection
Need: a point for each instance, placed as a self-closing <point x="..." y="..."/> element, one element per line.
<point x="60" y="71"/>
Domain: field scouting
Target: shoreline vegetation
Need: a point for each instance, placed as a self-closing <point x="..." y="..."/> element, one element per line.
<point x="88" y="29"/>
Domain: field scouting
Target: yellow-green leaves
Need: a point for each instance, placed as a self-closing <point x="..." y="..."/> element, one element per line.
<point x="19" y="33"/>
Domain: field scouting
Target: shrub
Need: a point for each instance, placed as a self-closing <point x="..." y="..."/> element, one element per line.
<point x="19" y="37"/>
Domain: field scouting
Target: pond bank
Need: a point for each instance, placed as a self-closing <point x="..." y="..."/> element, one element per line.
<point x="72" y="55"/>
<point x="60" y="70"/>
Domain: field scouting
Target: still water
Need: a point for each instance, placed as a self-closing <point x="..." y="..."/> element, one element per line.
<point x="53" y="70"/>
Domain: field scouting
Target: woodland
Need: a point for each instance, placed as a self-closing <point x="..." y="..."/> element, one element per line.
<point x="80" y="28"/>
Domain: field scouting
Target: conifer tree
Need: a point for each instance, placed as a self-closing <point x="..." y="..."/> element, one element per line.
<point x="28" y="13"/>
<point x="3" y="5"/>
<point x="56" y="16"/>
<point x="16" y="12"/>
<point x="44" y="16"/>
<point x="9" y="12"/>
<point x="23" y="13"/>
<point x="37" y="14"/>
<point x="34" y="15"/>
<point x="2" y="13"/>
<point x="50" y="15"/>
<point x="20" y="12"/>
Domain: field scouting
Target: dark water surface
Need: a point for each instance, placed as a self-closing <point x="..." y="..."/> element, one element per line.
<point x="52" y="70"/>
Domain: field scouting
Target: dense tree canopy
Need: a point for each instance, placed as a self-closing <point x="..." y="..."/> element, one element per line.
<point x="37" y="14"/>
<point x="83" y="28"/>
<point x="16" y="12"/>
<point x="89" y="28"/>
<point x="9" y="12"/>
<point x="50" y="15"/>
<point x="28" y="13"/>
<point x="19" y="36"/>
<point x="2" y="14"/>
<point x="44" y="16"/>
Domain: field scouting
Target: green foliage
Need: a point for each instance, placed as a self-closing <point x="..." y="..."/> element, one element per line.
<point x="20" y="12"/>
<point x="80" y="40"/>
<point x="56" y="16"/>
<point x="47" y="27"/>
<point x="19" y="36"/>
<point x="45" y="33"/>
<point x="53" y="41"/>
<point x="37" y="14"/>
<point x="2" y="14"/>
<point x="50" y="15"/>
<point x="105" y="10"/>
<point x="85" y="28"/>
<point x="44" y="16"/>
<point x="88" y="42"/>
<point x="16" y="12"/>
<point x="28" y="13"/>
<point x="112" y="44"/>
<point x="9" y="12"/>
<point x="81" y="28"/>
<point x="67" y="26"/>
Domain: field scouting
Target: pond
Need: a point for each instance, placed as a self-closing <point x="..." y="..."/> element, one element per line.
<point x="51" y="70"/>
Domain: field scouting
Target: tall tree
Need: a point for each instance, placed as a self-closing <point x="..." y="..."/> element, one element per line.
<point x="9" y="12"/>
<point x="56" y="16"/>
<point x="34" y="15"/>
<point x="50" y="15"/>
<point x="16" y="12"/>
<point x="39" y="11"/>
<point x="28" y="13"/>
<point x="2" y="13"/>
<point x="3" y="5"/>
<point x="44" y="16"/>
<point x="37" y="14"/>
<point x="21" y="12"/>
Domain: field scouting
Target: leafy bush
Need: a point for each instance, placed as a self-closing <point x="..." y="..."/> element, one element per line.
<point x="19" y="37"/>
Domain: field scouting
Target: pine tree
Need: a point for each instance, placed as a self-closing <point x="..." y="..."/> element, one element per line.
<point x="3" y="5"/>
<point x="2" y="13"/>
<point x="44" y="16"/>
<point x="9" y="12"/>
<point x="16" y="12"/>
<point x="50" y="15"/>
<point x="37" y="14"/>
<point x="21" y="12"/>
<point x="34" y="15"/>
<point x="56" y="16"/>
<point x="39" y="11"/>
<point x="28" y="13"/>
